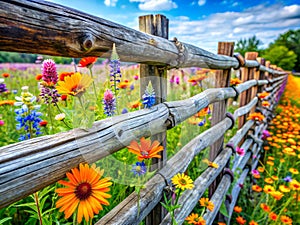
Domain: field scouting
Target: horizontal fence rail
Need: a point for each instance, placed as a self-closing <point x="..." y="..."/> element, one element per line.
<point x="34" y="164"/>
<point x="76" y="34"/>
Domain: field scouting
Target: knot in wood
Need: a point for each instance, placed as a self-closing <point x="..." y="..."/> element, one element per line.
<point x="88" y="42"/>
<point x="181" y="52"/>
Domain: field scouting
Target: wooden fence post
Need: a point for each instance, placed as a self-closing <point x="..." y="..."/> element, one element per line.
<point x="222" y="79"/>
<point x="245" y="97"/>
<point x="157" y="25"/>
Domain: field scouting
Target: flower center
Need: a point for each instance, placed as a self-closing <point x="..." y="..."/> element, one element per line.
<point x="144" y="153"/>
<point x="83" y="191"/>
<point x="138" y="168"/>
<point x="182" y="181"/>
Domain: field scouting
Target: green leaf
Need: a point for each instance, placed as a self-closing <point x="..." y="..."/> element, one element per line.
<point x="223" y="210"/>
<point x="5" y="219"/>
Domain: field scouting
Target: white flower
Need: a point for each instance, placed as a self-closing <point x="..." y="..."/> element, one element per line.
<point x="60" y="117"/>
<point x="1" y="80"/>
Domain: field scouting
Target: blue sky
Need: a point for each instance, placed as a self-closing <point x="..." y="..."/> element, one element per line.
<point x="202" y="22"/>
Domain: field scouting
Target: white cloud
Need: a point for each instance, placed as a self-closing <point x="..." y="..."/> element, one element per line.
<point x="201" y="2"/>
<point x="264" y="21"/>
<point x="156" y="5"/>
<point x="111" y="3"/>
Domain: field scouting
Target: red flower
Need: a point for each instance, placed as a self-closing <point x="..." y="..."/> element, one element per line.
<point x="43" y="123"/>
<point x="87" y="62"/>
<point x="5" y="75"/>
<point x="38" y="77"/>
<point x="64" y="97"/>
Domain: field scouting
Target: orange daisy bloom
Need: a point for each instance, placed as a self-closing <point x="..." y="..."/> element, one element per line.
<point x="210" y="164"/>
<point x="252" y="222"/>
<point x="260" y="169"/>
<point x="286" y="220"/>
<point x="237" y="209"/>
<point x="276" y="194"/>
<point x="194" y="218"/>
<point x="145" y="150"/>
<point x="85" y="192"/>
<point x="240" y="220"/>
<point x="221" y="223"/>
<point x="124" y="84"/>
<point x="5" y="75"/>
<point x="206" y="203"/>
<point x="256" y="188"/>
<point x="135" y="105"/>
<point x="294" y="171"/>
<point x="87" y="62"/>
<point x="256" y="116"/>
<point x="263" y="95"/>
<point x="7" y="102"/>
<point x="284" y="188"/>
<point x="273" y="216"/>
<point x="38" y="77"/>
<point x="74" y="85"/>
<point x="294" y="185"/>
<point x="265" y="207"/>
<point x="265" y="104"/>
<point x="235" y="81"/>
<point x="268" y="189"/>
<point x="269" y="180"/>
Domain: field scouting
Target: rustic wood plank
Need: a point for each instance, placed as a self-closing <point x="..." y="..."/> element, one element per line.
<point x="157" y="25"/>
<point x="222" y="80"/>
<point x="47" y="28"/>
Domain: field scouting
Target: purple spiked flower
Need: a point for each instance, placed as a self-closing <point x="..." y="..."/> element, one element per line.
<point x="49" y="73"/>
<point x="149" y="96"/>
<point x="3" y="88"/>
<point x="109" y="102"/>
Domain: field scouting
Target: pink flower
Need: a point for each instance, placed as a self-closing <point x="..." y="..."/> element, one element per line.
<point x="1" y="123"/>
<point x="177" y="79"/>
<point x="49" y="73"/>
<point x="240" y="151"/>
<point x="255" y="172"/>
<point x="136" y="77"/>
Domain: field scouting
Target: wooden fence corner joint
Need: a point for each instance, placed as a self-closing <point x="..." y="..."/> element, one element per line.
<point x="240" y="60"/>
<point x="230" y="116"/>
<point x="230" y="173"/>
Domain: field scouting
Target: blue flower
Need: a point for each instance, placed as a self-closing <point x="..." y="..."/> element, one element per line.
<point x="124" y="111"/>
<point x="287" y="179"/>
<point x="109" y="102"/>
<point x="202" y="122"/>
<point x="139" y="168"/>
<point x="149" y="96"/>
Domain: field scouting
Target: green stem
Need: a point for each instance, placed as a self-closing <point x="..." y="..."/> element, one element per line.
<point x="50" y="116"/>
<point x="36" y="200"/>
<point x="94" y="87"/>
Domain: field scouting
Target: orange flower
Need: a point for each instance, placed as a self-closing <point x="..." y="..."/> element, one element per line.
<point x="7" y="102"/>
<point x="294" y="171"/>
<point x="271" y="163"/>
<point x="276" y="194"/>
<point x="252" y="222"/>
<point x="265" y="207"/>
<point x="85" y="192"/>
<point x="263" y="95"/>
<point x="5" y="75"/>
<point x="269" y="180"/>
<point x="273" y="216"/>
<point x="284" y="188"/>
<point x="124" y="84"/>
<point x="237" y="209"/>
<point x="265" y="104"/>
<point x="65" y="74"/>
<point x="274" y="177"/>
<point x="256" y="116"/>
<point x="286" y="220"/>
<point x="260" y="169"/>
<point x="256" y="188"/>
<point x="38" y="77"/>
<point x="240" y="220"/>
<point x="206" y="203"/>
<point x="221" y="223"/>
<point x="294" y="185"/>
<point x="87" y="62"/>
<point x="210" y="164"/>
<point x="291" y="141"/>
<point x="195" y="219"/>
<point x="145" y="150"/>
<point x="235" y="81"/>
<point x="136" y="104"/>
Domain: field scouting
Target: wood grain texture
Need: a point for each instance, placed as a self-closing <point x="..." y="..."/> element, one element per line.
<point x="47" y="28"/>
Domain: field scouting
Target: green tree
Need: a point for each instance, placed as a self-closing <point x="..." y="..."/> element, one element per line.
<point x="291" y="40"/>
<point x="248" y="45"/>
<point x="281" y="56"/>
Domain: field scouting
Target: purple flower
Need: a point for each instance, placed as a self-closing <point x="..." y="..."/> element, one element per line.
<point x="287" y="179"/>
<point x="241" y="185"/>
<point x="177" y="79"/>
<point x="202" y="122"/>
<point x="49" y="94"/>
<point x="172" y="80"/>
<point x="115" y="71"/>
<point x="139" y="168"/>
<point x="131" y="87"/>
<point x="124" y="111"/>
<point x="136" y="77"/>
<point x="265" y="134"/>
<point x="240" y="151"/>
<point x="3" y="88"/>
<point x="109" y="102"/>
<point x="49" y="73"/>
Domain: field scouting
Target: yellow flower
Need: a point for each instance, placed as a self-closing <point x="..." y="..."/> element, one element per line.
<point x="263" y="95"/>
<point x="294" y="171"/>
<point x="265" y="104"/>
<point x="260" y="169"/>
<point x="268" y="189"/>
<point x="284" y="188"/>
<point x="294" y="185"/>
<point x="269" y="180"/>
<point x="271" y="163"/>
<point x="85" y="192"/>
<point x="182" y="181"/>
<point x="206" y="203"/>
<point x="74" y="85"/>
<point x="210" y="164"/>
<point x="274" y="177"/>
<point x="235" y="81"/>
<point x="195" y="219"/>
<point x="276" y="194"/>
<point x="256" y="188"/>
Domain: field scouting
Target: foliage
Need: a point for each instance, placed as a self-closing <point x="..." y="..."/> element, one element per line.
<point x="281" y="56"/>
<point x="248" y="45"/>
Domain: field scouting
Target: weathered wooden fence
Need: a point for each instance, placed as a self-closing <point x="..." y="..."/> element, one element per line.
<point x="35" y="26"/>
